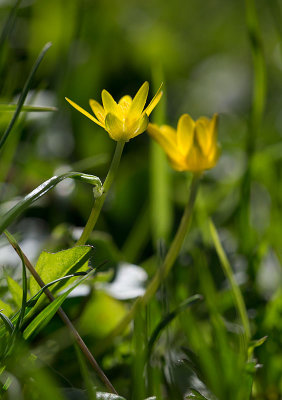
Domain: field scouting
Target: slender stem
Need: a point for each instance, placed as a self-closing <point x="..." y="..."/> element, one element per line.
<point x="162" y="272"/>
<point x="98" y="203"/>
<point x="238" y="298"/>
<point x="63" y="316"/>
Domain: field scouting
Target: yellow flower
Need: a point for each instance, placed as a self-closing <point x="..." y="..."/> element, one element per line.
<point x="193" y="146"/>
<point x="123" y="120"/>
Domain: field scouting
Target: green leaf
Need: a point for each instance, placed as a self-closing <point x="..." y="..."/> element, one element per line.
<point x="12" y="107"/>
<point x="42" y="189"/>
<point x="15" y="290"/>
<point x="102" y="313"/>
<point x="32" y="302"/>
<point x="47" y="314"/>
<point x="51" y="266"/>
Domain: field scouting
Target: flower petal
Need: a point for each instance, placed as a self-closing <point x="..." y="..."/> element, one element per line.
<point x="154" y="101"/>
<point x="109" y="103"/>
<point x="125" y="101"/>
<point x="139" y="101"/>
<point x="166" y="137"/>
<point x="139" y="126"/>
<point x="115" y="128"/>
<point x="87" y="114"/>
<point x="98" y="110"/>
<point x="206" y="132"/>
<point x="185" y="133"/>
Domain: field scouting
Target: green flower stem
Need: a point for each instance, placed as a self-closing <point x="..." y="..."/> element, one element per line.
<point x="163" y="272"/>
<point x="238" y="298"/>
<point x="176" y="244"/>
<point x="99" y="201"/>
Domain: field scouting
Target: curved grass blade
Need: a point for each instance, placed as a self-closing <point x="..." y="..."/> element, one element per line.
<point x="7" y="322"/>
<point x="47" y="314"/>
<point x="169" y="317"/>
<point x="13" y="107"/>
<point x="24" y="94"/>
<point x="43" y="189"/>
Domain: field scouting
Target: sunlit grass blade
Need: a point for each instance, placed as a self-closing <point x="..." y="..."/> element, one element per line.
<point x="13" y="107"/>
<point x="24" y="94"/>
<point x="41" y="190"/>
<point x="170" y="317"/>
<point x="238" y="298"/>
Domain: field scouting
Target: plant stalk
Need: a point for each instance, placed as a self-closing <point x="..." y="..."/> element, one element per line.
<point x="98" y="203"/>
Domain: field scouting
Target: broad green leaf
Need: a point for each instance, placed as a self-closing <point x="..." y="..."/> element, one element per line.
<point x="42" y="189"/>
<point x="6" y="308"/>
<point x="47" y="314"/>
<point x="101" y="314"/>
<point x="15" y="290"/>
<point x="52" y="266"/>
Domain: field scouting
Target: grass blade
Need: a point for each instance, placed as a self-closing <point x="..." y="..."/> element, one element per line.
<point x="24" y="94"/>
<point x="238" y="298"/>
<point x="43" y="189"/>
<point x="13" y="107"/>
<point x="170" y="317"/>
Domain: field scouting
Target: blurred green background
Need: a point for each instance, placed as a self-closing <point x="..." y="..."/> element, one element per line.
<point x="213" y="56"/>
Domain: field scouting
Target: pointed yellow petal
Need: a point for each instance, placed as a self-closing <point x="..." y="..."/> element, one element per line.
<point x="109" y="103"/>
<point x="154" y="101"/>
<point x="166" y="137"/>
<point x="213" y="126"/>
<point x="98" y="110"/>
<point x="125" y="101"/>
<point x="87" y="114"/>
<point x="139" y="101"/>
<point x="185" y="133"/>
<point x="139" y="126"/>
<point x="206" y="132"/>
<point x="115" y="128"/>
